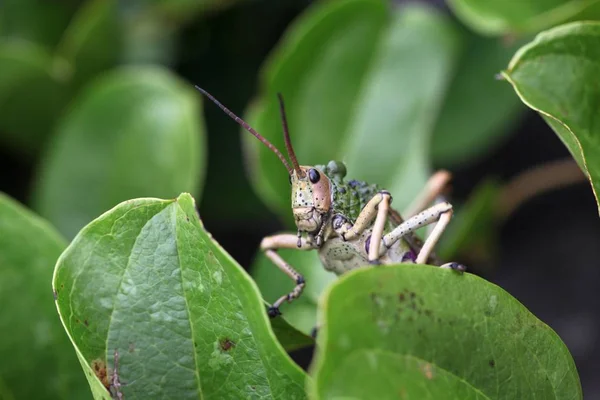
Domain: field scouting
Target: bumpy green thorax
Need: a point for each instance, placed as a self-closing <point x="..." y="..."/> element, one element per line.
<point x="349" y="197"/>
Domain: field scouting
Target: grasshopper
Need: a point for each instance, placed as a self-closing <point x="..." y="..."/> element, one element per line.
<point x="350" y="223"/>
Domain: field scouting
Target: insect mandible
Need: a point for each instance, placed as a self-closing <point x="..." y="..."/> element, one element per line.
<point x="350" y="223"/>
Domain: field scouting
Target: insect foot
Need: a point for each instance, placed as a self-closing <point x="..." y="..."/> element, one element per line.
<point x="375" y="262"/>
<point x="273" y="312"/>
<point x="313" y="332"/>
<point x="455" y="266"/>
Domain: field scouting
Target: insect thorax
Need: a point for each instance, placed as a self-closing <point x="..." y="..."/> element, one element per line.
<point x="349" y="197"/>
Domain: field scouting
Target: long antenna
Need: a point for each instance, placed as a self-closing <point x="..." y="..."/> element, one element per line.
<point x="288" y="141"/>
<point x="247" y="127"/>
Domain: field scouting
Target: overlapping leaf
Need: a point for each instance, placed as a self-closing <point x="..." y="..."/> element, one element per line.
<point x="145" y="281"/>
<point x="416" y="331"/>
<point x="555" y="75"/>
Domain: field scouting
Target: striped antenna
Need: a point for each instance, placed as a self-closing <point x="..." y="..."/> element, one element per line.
<point x="288" y="141"/>
<point x="247" y="127"/>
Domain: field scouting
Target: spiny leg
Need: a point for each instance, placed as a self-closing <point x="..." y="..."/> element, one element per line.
<point x="367" y="214"/>
<point x="433" y="188"/>
<point x="377" y="208"/>
<point x="269" y="245"/>
<point x="434" y="236"/>
<point x="378" y="226"/>
<point x="429" y="216"/>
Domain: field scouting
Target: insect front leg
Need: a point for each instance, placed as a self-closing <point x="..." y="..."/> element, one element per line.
<point x="270" y="245"/>
<point x="440" y="213"/>
<point x="378" y="208"/>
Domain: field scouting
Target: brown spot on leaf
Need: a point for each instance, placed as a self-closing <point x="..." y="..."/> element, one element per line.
<point x="226" y="344"/>
<point x="99" y="368"/>
<point x="492" y="363"/>
<point x="401" y="297"/>
<point x="86" y="323"/>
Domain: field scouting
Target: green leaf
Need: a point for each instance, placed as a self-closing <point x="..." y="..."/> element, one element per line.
<point x="39" y="22"/>
<point x="33" y="93"/>
<point x="134" y="132"/>
<point x="146" y="280"/>
<point x="91" y="43"/>
<point x="479" y="111"/>
<point x="34" y="347"/>
<point x="151" y="26"/>
<point x="362" y="83"/>
<point x="555" y="76"/>
<point x="496" y="17"/>
<point x="427" y="333"/>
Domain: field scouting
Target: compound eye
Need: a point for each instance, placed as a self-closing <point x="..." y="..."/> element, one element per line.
<point x="314" y="175"/>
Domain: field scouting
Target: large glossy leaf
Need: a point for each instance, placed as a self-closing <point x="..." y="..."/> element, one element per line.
<point x="33" y="93"/>
<point x="421" y="332"/>
<point x="478" y="111"/>
<point x="91" y="42"/>
<point x="555" y="76"/>
<point x="36" y="359"/>
<point x="363" y="83"/>
<point x="147" y="281"/>
<point x="135" y="132"/>
<point x="497" y="17"/>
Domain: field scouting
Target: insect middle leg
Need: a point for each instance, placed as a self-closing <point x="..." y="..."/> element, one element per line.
<point x="378" y="208"/>
<point x="440" y="213"/>
<point x="270" y="245"/>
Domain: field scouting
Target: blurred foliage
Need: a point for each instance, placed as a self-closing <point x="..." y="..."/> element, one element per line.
<point x="98" y="96"/>
<point x="134" y="132"/>
<point x="496" y="17"/>
<point x="34" y="346"/>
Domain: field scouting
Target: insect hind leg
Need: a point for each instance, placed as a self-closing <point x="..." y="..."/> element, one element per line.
<point x="440" y="213"/>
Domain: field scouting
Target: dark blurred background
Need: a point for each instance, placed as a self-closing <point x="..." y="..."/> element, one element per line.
<point x="547" y="250"/>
